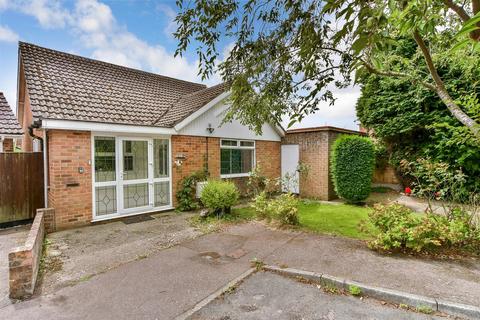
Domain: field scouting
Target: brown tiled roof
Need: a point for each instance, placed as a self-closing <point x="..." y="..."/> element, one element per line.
<point x="190" y="103"/>
<point x="8" y="122"/>
<point x="69" y="87"/>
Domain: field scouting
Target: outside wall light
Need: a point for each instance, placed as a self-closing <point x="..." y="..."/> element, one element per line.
<point x="179" y="158"/>
<point x="210" y="129"/>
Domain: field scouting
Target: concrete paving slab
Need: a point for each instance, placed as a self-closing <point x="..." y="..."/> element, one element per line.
<point x="77" y="254"/>
<point x="269" y="296"/>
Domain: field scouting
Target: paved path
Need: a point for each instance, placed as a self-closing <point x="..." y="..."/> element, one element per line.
<point x="266" y="296"/>
<point x="173" y="280"/>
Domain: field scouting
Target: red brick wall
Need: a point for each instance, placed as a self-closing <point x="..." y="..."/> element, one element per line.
<point x="195" y="149"/>
<point x="8" y="145"/>
<point x="267" y="155"/>
<point x="314" y="152"/>
<point x="67" y="151"/>
<point x="24" y="261"/>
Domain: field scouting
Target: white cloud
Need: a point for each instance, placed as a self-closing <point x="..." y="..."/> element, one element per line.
<point x="342" y="114"/>
<point x="3" y="4"/>
<point x="98" y="30"/>
<point x="49" y="13"/>
<point x="7" y="34"/>
<point x="170" y="15"/>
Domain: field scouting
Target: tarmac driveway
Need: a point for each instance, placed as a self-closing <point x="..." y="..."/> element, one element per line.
<point x="171" y="281"/>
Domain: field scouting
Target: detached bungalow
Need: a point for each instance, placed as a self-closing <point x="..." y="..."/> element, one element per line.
<point x="10" y="129"/>
<point x="117" y="140"/>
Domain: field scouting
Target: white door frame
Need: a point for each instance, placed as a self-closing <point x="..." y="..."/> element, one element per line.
<point x="120" y="183"/>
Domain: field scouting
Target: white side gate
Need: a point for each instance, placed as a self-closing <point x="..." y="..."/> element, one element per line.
<point x="290" y="175"/>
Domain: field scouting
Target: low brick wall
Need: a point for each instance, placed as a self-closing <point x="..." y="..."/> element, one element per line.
<point x="24" y="261"/>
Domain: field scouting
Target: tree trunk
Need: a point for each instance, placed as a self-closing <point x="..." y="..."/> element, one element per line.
<point x="442" y="92"/>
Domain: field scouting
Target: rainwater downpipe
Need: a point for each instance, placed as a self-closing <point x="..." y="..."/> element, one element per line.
<point x="37" y="125"/>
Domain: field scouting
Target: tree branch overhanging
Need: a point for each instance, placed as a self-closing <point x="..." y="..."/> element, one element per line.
<point x="459" y="10"/>
<point x="442" y="92"/>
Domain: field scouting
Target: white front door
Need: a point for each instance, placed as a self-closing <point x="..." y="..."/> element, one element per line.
<point x="135" y="183"/>
<point x="130" y="175"/>
<point x="290" y="175"/>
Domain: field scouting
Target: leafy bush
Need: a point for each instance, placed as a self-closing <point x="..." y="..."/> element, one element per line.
<point x="258" y="183"/>
<point x="413" y="121"/>
<point x="186" y="191"/>
<point x="352" y="167"/>
<point x="219" y="196"/>
<point x="261" y="206"/>
<point x="400" y="229"/>
<point x="283" y="209"/>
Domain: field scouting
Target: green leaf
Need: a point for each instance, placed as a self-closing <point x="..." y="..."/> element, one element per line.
<point x="460" y="45"/>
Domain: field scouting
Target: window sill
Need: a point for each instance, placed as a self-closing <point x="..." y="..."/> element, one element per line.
<point x="235" y="175"/>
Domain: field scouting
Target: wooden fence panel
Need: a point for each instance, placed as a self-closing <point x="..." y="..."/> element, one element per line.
<point x="21" y="185"/>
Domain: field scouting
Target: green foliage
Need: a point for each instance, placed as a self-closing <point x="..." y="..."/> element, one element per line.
<point x="354" y="290"/>
<point x="424" y="309"/>
<point x="436" y="180"/>
<point x="283" y="209"/>
<point x="412" y="122"/>
<point x="186" y="191"/>
<point x="219" y="196"/>
<point x="352" y="165"/>
<point x="287" y="55"/>
<point x="258" y="183"/>
<point x="401" y="230"/>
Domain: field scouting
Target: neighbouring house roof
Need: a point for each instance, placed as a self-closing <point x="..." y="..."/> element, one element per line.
<point x="324" y="128"/>
<point x="63" y="86"/>
<point x="8" y="122"/>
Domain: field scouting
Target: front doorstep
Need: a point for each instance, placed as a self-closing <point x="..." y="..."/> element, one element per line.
<point x="119" y="217"/>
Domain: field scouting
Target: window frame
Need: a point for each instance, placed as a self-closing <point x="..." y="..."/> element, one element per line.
<point x="238" y="146"/>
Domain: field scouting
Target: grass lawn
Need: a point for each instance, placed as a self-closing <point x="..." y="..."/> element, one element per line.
<point x="341" y="219"/>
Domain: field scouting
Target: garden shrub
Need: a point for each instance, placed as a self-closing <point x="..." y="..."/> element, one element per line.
<point x="257" y="183"/>
<point x="401" y="230"/>
<point x="283" y="209"/>
<point x="186" y="191"/>
<point x="352" y="166"/>
<point x="261" y="206"/>
<point x="219" y="196"/>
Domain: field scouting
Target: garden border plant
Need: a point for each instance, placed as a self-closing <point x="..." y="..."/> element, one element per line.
<point x="187" y="189"/>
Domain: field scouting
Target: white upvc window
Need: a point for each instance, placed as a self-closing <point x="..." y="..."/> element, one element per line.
<point x="237" y="158"/>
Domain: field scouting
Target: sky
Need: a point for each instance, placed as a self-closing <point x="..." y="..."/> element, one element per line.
<point x="132" y="33"/>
